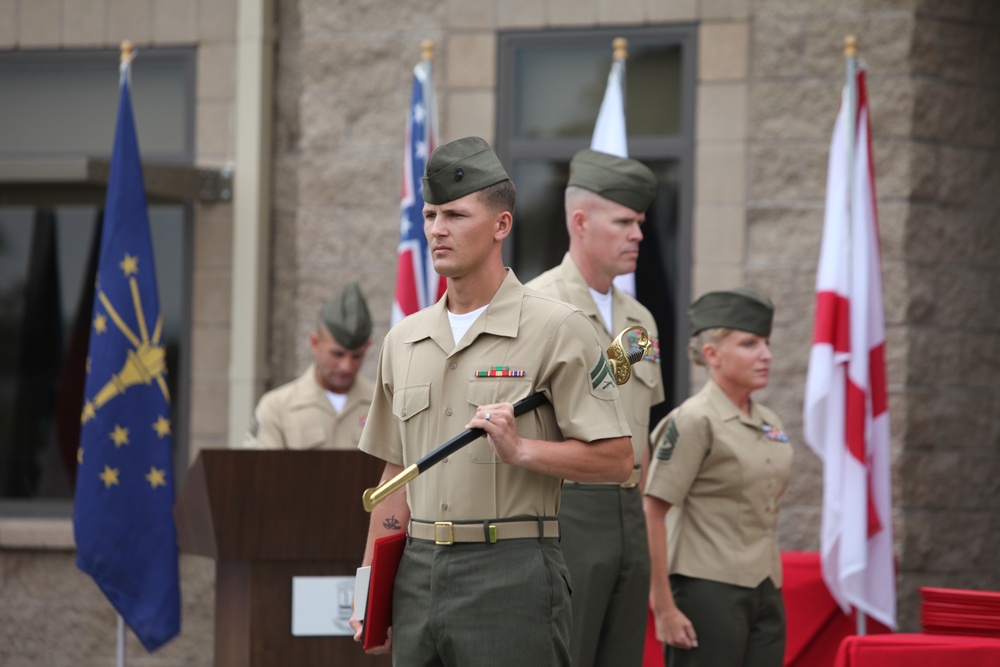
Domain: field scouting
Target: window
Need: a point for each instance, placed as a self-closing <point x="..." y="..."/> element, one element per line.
<point x="551" y="85"/>
<point x="61" y="108"/>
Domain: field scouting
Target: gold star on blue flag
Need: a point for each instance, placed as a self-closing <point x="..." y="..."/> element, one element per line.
<point x="123" y="511"/>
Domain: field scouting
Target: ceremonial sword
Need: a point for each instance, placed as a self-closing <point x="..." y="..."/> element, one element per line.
<point x="619" y="359"/>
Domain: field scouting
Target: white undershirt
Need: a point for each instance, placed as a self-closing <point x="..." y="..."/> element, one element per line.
<point x="461" y="323"/>
<point x="603" y="302"/>
<point x="338" y="401"/>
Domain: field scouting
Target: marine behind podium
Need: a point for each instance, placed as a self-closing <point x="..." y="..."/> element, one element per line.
<point x="325" y="407"/>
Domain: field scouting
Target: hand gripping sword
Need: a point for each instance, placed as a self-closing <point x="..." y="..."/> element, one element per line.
<point x="620" y="360"/>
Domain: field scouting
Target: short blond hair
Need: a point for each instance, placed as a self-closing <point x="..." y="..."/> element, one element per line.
<point x="702" y="338"/>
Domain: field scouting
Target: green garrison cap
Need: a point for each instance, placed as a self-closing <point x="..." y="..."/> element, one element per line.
<point x="742" y="308"/>
<point x="628" y="182"/>
<point x="348" y="319"/>
<point x="459" y="168"/>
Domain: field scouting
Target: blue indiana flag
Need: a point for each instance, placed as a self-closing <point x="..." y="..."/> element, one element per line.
<point x="123" y="512"/>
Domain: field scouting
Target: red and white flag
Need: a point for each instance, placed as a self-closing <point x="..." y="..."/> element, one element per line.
<point x="417" y="284"/>
<point x="846" y="418"/>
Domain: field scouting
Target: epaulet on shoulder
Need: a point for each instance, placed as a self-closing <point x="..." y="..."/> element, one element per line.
<point x="555" y="301"/>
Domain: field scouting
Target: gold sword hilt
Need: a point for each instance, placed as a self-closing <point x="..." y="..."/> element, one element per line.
<point x="621" y="359"/>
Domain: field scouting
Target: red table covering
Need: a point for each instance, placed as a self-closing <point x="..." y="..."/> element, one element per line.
<point x="816" y="625"/>
<point x="918" y="650"/>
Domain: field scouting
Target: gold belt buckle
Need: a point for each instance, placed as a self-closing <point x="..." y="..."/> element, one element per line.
<point x="633" y="480"/>
<point x="451" y="532"/>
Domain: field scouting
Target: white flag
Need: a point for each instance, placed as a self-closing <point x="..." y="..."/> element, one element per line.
<point x="609" y="137"/>
<point x="846" y="418"/>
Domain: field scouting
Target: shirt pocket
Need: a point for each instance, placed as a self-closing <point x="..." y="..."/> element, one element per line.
<point x="409" y="406"/>
<point x="493" y="390"/>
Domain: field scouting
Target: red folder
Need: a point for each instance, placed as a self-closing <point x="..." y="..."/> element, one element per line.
<point x="386" y="555"/>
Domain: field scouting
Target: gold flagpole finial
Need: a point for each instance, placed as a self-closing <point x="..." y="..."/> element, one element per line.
<point x="620" y="46"/>
<point x="850" y="46"/>
<point x="427" y="49"/>
<point x="126" y="50"/>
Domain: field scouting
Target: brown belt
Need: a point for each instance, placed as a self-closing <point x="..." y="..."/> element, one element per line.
<point x="448" y="532"/>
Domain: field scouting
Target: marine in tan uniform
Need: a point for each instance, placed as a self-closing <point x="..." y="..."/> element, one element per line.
<point x="326" y="407"/>
<point x="603" y="526"/>
<point x="482" y="579"/>
<point x="721" y="466"/>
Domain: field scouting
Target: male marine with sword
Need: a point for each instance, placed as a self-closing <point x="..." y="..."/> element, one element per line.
<point x="482" y="580"/>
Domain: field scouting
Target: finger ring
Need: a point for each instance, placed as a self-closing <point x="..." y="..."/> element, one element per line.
<point x="487" y="417"/>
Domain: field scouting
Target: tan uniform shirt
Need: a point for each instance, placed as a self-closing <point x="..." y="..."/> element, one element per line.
<point x="645" y="388"/>
<point x="298" y="415"/>
<point x="427" y="391"/>
<point x="724" y="474"/>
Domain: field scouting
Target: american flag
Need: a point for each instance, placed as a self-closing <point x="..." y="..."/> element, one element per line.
<point x="417" y="285"/>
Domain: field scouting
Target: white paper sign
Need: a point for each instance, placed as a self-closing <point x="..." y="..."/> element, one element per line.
<point x="321" y="606"/>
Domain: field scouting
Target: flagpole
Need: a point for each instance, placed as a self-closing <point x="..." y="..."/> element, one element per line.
<point x="851" y="100"/>
<point x="120" y="653"/>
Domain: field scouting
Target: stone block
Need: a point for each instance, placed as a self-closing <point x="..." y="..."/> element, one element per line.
<point x="895" y="292"/>
<point x="286" y="183"/>
<point x="9" y="29"/>
<point x="324" y="120"/>
<point x="719" y="233"/>
<point x="945" y="419"/>
<point x="563" y="13"/>
<point x="471" y="14"/>
<point x="675" y="11"/>
<point x="723" y="10"/>
<point x="969" y="176"/>
<point x="357" y="64"/>
<point x="214" y="130"/>
<point x="722" y="112"/>
<point x="212" y="297"/>
<point x="944" y="112"/>
<point x="720" y="174"/>
<point x="217" y="71"/>
<point x="23" y="637"/>
<point x="469" y="113"/>
<point x="723" y="51"/>
<point x="520" y="14"/>
<point x="936" y="235"/>
<point x="891" y="102"/>
<point x="282" y="362"/>
<point x="788" y="172"/>
<point x="892" y="228"/>
<point x="798" y="527"/>
<point x="951" y="476"/>
<point x="619" y="12"/>
<point x="174" y="21"/>
<point x="942" y="541"/>
<point x="787" y="236"/>
<point x="894" y="162"/>
<point x="981" y="357"/>
<point x="129" y="19"/>
<point x="209" y="407"/>
<point x="213" y="239"/>
<point x="472" y="60"/>
<point x="794" y="110"/>
<point x="935" y="357"/>
<point x="805" y="8"/>
<point x="326" y="18"/>
<point x="347" y="177"/>
<point x="79" y="629"/>
<point x="210" y="353"/>
<point x="379" y="122"/>
<point x="84" y="23"/>
<point x="950" y="50"/>
<point x="217" y="20"/>
<point x="708" y="276"/>
<point x="39" y="24"/>
<point x="984" y="242"/>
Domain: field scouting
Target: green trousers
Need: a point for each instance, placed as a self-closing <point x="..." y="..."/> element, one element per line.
<point x="604" y="543"/>
<point x="736" y="626"/>
<point x="481" y="605"/>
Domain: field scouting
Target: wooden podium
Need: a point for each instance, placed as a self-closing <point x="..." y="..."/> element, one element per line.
<point x="266" y="516"/>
